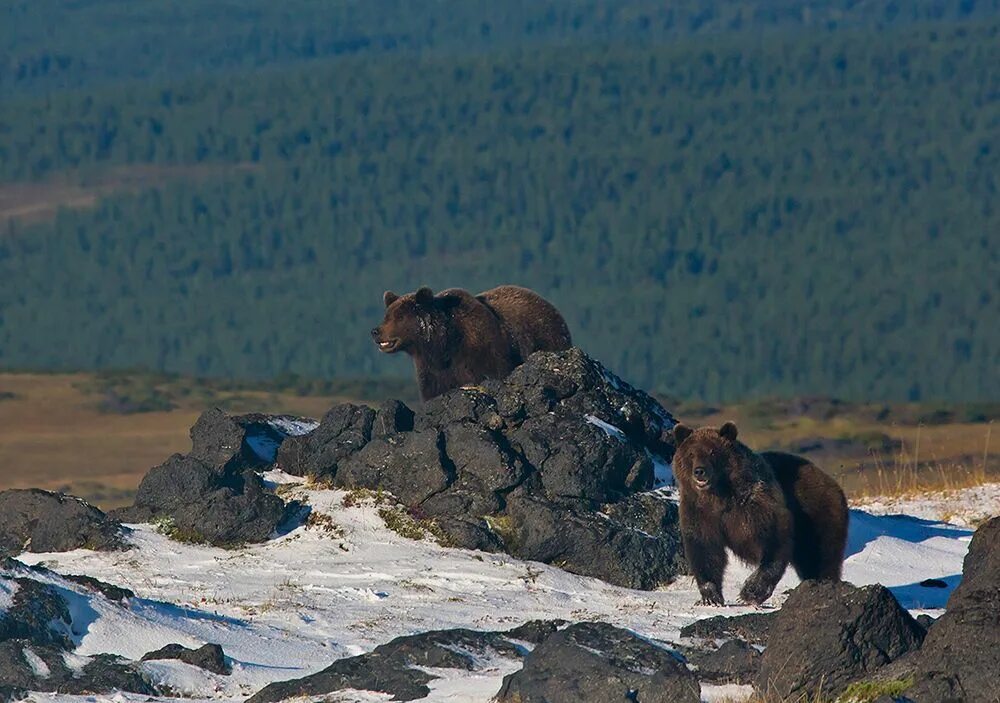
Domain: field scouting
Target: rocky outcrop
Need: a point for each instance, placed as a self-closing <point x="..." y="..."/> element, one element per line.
<point x="41" y="521"/>
<point x="828" y="635"/>
<point x="550" y="464"/>
<point x="391" y="668"/>
<point x="209" y="657"/>
<point x="37" y="629"/>
<point x="960" y="659"/>
<point x="734" y="661"/>
<point x="199" y="502"/>
<point x="597" y="663"/>
<point x="213" y="494"/>
<point x="37" y="613"/>
<point x="752" y="627"/>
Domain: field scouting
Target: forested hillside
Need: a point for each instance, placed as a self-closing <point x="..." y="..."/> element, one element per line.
<point x="720" y="213"/>
<point x="59" y="44"/>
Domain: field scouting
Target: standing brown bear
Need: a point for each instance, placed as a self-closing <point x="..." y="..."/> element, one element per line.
<point x="769" y="509"/>
<point x="458" y="339"/>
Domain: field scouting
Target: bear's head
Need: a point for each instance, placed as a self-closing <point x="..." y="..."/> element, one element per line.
<point x="408" y="323"/>
<point x="703" y="457"/>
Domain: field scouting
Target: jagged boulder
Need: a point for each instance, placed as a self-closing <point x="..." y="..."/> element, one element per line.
<point x="549" y="464"/>
<point x="37" y="630"/>
<point x="236" y="443"/>
<point x="213" y="494"/>
<point x="344" y="430"/>
<point x="392" y="668"/>
<point x="36" y="614"/>
<point x="734" y="661"/>
<point x="830" y="634"/>
<point x="591" y="543"/>
<point x="754" y="628"/>
<point x="410" y="465"/>
<point x="209" y="657"/>
<point x="960" y="659"/>
<point x="203" y="504"/>
<point x="596" y="663"/>
<point x="42" y="521"/>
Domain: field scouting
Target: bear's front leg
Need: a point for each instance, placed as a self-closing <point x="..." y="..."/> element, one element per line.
<point x="708" y="562"/>
<point x="760" y="585"/>
<point x="776" y="555"/>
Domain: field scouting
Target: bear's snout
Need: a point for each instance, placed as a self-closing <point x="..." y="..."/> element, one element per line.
<point x="375" y="332"/>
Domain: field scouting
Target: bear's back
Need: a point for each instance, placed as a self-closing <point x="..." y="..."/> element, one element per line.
<point x="533" y="322"/>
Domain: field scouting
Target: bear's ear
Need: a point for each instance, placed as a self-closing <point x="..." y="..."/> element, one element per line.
<point x="728" y="431"/>
<point x="681" y="432"/>
<point x="424" y="295"/>
<point x="389" y="298"/>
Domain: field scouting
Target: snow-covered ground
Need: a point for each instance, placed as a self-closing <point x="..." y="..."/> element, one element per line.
<point x="965" y="506"/>
<point x="339" y="587"/>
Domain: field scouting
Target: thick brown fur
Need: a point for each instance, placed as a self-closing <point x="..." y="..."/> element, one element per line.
<point x="770" y="509"/>
<point x="458" y="339"/>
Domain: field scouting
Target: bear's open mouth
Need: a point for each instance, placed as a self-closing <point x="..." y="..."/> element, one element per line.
<point x="701" y="483"/>
<point x="388" y="346"/>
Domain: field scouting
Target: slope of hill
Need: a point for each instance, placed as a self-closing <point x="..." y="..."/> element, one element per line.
<point x="293" y="605"/>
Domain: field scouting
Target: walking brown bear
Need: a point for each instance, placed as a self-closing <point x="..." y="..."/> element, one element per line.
<point x="769" y="509"/>
<point x="458" y="339"/>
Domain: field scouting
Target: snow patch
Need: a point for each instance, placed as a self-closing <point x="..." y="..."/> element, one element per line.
<point x="725" y="693"/>
<point x="966" y="506"/>
<point x="293" y="426"/>
<point x="39" y="667"/>
<point x="8" y="589"/>
<point x="609" y="429"/>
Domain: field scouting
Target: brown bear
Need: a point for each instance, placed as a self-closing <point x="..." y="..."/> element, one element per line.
<point x="769" y="509"/>
<point x="457" y="339"/>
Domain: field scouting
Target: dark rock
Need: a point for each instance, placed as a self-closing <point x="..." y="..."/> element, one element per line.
<point x="535" y="631"/>
<point x="206" y="505"/>
<point x="391" y="417"/>
<point x="409" y="465"/>
<point x="960" y="659"/>
<point x="830" y="634"/>
<point x="734" y="661"/>
<point x="209" y="657"/>
<point x="17" y="673"/>
<point x="115" y="593"/>
<point x="925" y="620"/>
<point x="236" y="443"/>
<point x="590" y="543"/>
<point x="242" y="511"/>
<point x="174" y="484"/>
<point x="469" y="534"/>
<point x="107" y="673"/>
<point x="933" y="583"/>
<point x="102" y="674"/>
<point x="481" y="459"/>
<point x="42" y="521"/>
<point x="752" y="627"/>
<point x="459" y="407"/>
<point x="389" y="667"/>
<point x="38" y="614"/>
<point x="344" y="430"/>
<point x="598" y="663"/>
<point x="221" y="441"/>
<point x="581" y="386"/>
<point x="577" y="459"/>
